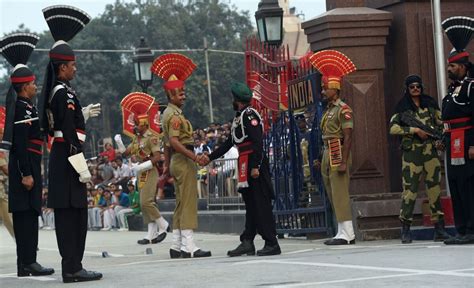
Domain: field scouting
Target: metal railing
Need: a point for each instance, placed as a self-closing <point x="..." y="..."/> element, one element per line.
<point x="219" y="184"/>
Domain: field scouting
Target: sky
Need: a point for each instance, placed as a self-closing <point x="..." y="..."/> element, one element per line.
<point x="28" y="12"/>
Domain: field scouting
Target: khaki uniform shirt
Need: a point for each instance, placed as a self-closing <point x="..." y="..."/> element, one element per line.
<point x="176" y="125"/>
<point x="3" y="177"/>
<point x="144" y="146"/>
<point x="338" y="116"/>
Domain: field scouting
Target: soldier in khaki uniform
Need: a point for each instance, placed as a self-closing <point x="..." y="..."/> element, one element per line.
<point x="179" y="154"/>
<point x="336" y="126"/>
<point x="146" y="146"/>
<point x="4" y="215"/>
<point x="419" y="156"/>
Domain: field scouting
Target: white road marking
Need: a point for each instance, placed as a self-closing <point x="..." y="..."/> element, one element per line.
<point x="85" y="252"/>
<point x="361" y="267"/>
<point x="37" y="278"/>
<point x="349" y="280"/>
<point x="300" y="251"/>
<point x="165" y="260"/>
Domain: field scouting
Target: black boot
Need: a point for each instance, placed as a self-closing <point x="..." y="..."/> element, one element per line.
<point x="406" y="233"/>
<point x="81" y="276"/>
<point x="246" y="247"/>
<point x="440" y="233"/>
<point x="197" y="254"/>
<point x="175" y="254"/>
<point x="269" y="250"/>
<point x="34" y="269"/>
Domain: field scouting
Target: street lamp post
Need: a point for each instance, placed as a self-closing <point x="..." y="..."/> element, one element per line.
<point x="142" y="60"/>
<point x="269" y="17"/>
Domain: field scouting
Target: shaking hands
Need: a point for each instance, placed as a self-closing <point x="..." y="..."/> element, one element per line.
<point x="202" y="160"/>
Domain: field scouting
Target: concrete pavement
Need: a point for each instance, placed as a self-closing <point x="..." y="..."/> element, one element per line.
<point x="304" y="263"/>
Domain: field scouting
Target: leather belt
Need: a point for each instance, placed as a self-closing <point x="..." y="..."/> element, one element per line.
<point x="81" y="135"/>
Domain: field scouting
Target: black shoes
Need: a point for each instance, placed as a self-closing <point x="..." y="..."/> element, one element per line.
<point x="197" y="254"/>
<point x="145" y="241"/>
<point x="160" y="237"/>
<point x="269" y="250"/>
<point x="81" y="276"/>
<point x="34" y="269"/>
<point x="339" y="241"/>
<point x="460" y="240"/>
<point x="440" y="233"/>
<point x="175" y="254"/>
<point x="406" y="234"/>
<point x="246" y="247"/>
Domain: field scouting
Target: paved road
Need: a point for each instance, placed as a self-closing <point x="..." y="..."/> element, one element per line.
<point x="303" y="264"/>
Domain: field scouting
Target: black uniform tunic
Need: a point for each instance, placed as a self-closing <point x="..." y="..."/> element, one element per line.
<point x="461" y="177"/>
<point x="25" y="160"/>
<point x="66" y="194"/>
<point x="258" y="196"/>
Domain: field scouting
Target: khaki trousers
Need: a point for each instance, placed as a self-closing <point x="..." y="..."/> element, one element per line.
<point x="6" y="217"/>
<point x="184" y="172"/>
<point x="148" y="196"/>
<point x="337" y="188"/>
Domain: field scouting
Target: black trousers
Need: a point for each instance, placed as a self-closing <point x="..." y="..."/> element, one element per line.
<point x="71" y="231"/>
<point x="462" y="195"/>
<point x="25" y="226"/>
<point x="258" y="213"/>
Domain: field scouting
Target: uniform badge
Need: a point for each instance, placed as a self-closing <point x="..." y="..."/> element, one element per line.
<point x="347" y="116"/>
<point x="70" y="95"/>
<point x="254" y="122"/>
<point x="154" y="141"/>
<point x="175" y="124"/>
<point x="28" y="112"/>
<point x="330" y="115"/>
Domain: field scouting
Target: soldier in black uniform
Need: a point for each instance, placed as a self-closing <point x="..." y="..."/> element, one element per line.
<point x="23" y="133"/>
<point x="458" y="118"/>
<point x="64" y="119"/>
<point x="254" y="175"/>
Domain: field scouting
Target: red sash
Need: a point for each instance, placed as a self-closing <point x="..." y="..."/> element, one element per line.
<point x="457" y="139"/>
<point x="244" y="152"/>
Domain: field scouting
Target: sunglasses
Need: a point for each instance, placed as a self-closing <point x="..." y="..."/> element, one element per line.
<point x="414" y="86"/>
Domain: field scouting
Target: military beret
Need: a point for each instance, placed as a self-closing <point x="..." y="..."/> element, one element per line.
<point x="241" y="92"/>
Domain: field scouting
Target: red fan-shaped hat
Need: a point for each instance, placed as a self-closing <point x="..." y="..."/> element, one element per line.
<point x="333" y="65"/>
<point x="2" y="117"/>
<point x="135" y="107"/>
<point x="174" y="68"/>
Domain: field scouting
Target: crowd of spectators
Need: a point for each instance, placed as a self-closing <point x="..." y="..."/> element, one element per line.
<point x="112" y="193"/>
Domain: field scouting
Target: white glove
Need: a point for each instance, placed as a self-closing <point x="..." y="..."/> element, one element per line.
<point x="145" y="166"/>
<point x="91" y="110"/>
<point x="118" y="140"/>
<point x="79" y="164"/>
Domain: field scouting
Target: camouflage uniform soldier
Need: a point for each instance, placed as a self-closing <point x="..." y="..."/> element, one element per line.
<point x="419" y="156"/>
<point x="336" y="126"/>
<point x="179" y="154"/>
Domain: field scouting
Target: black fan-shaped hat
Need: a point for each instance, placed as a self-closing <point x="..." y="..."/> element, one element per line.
<point x="17" y="49"/>
<point x="65" y="21"/>
<point x="459" y="30"/>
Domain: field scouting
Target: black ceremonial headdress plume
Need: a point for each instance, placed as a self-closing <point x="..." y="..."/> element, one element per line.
<point x="64" y="23"/>
<point x="17" y="49"/>
<point x="459" y="30"/>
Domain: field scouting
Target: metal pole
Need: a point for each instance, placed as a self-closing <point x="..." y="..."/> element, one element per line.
<point x="208" y="80"/>
<point x="440" y="65"/>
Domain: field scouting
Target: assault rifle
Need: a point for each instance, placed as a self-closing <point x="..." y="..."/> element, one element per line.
<point x="409" y="119"/>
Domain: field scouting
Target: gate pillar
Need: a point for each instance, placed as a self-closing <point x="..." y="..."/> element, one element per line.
<point x="360" y="33"/>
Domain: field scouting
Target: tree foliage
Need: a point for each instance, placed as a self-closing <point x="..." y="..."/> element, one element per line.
<point x="165" y="24"/>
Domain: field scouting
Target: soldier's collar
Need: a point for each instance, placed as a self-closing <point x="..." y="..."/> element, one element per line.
<point x="174" y="107"/>
<point x="335" y="103"/>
